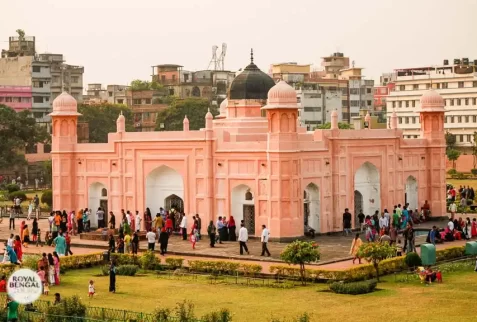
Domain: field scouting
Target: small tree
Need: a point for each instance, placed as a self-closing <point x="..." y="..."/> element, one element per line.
<point x="376" y="252"/>
<point x="301" y="253"/>
<point x="453" y="155"/>
<point x="450" y="141"/>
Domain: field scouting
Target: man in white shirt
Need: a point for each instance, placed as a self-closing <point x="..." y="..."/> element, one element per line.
<point x="383" y="222"/>
<point x="100" y="217"/>
<point x="128" y="218"/>
<point x="183" y="227"/>
<point x="450" y="224"/>
<point x="151" y="240"/>
<point x="264" y="239"/>
<point x="243" y="238"/>
<point x="138" y="221"/>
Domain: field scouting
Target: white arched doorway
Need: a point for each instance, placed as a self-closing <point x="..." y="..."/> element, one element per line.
<point x="97" y="197"/>
<point x="164" y="188"/>
<point x="243" y="207"/>
<point x="358" y="206"/>
<point x="311" y="207"/>
<point x="367" y="183"/>
<point x="411" y="194"/>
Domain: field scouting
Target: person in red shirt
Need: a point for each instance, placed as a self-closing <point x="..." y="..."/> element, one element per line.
<point x="3" y="285"/>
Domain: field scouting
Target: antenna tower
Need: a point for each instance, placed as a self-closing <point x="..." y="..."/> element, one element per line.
<point x="218" y="63"/>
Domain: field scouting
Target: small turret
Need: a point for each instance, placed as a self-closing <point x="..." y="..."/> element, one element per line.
<point x="334" y="120"/>
<point x="208" y="120"/>
<point x="394" y="121"/>
<point x="121" y="123"/>
<point x="185" y="124"/>
<point x="367" y="121"/>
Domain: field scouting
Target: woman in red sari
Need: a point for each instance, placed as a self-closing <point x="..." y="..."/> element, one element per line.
<point x="17" y="247"/>
<point x="474" y="228"/>
<point x="232" y="227"/>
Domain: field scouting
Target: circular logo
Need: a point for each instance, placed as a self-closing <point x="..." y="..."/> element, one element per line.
<point x="24" y="286"/>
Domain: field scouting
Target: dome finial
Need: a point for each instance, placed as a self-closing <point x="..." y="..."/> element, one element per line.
<point x="251" y="55"/>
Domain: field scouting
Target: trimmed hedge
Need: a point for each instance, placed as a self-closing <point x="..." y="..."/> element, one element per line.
<point x="125" y="259"/>
<point x="174" y="262"/>
<point x="413" y="260"/>
<point x="124" y="270"/>
<point x="11" y="187"/>
<point x="19" y="194"/>
<point x="223" y="267"/>
<point x="354" y="288"/>
<point x="47" y="197"/>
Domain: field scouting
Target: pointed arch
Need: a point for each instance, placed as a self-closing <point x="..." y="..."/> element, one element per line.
<point x="161" y="183"/>
<point x="243" y="206"/>
<point x="411" y="195"/>
<point x="367" y="182"/>
<point x="312" y="207"/>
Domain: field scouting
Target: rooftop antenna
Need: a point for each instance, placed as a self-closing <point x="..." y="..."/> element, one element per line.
<point x="352" y="63"/>
<point x="251" y="55"/>
<point x="221" y="60"/>
<point x="213" y="61"/>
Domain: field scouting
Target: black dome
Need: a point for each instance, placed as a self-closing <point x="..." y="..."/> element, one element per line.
<point x="252" y="83"/>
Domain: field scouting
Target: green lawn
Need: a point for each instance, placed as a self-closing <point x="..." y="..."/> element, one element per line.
<point x="398" y="302"/>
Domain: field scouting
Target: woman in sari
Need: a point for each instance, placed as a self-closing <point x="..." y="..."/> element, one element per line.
<point x="17" y="247"/>
<point x="112" y="277"/>
<point x="51" y="269"/>
<point x="133" y="223"/>
<point x="357" y="242"/>
<point x="56" y="262"/>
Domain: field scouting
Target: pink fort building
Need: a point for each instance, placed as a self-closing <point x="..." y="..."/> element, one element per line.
<point x="253" y="162"/>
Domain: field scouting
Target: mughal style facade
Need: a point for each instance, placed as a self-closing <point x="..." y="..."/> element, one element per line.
<point x="253" y="162"/>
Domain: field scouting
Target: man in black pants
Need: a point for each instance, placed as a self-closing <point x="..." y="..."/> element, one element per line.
<point x="243" y="238"/>
<point x="12" y="219"/>
<point x="265" y="235"/>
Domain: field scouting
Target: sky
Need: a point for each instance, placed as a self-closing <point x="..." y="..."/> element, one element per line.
<point x="118" y="41"/>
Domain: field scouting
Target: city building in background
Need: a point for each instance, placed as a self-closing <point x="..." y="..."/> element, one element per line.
<point x="456" y="83"/>
<point x="20" y="46"/>
<point x="17" y="97"/>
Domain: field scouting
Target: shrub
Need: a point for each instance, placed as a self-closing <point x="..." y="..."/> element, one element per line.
<point x="413" y="260"/>
<point x="452" y="171"/>
<point x="250" y="269"/>
<point x="162" y="315"/>
<point x="125" y="259"/>
<point x="19" y="194"/>
<point x="47" y="197"/>
<point x="81" y="261"/>
<point x="354" y="288"/>
<point x="185" y="312"/>
<point x="124" y="270"/>
<point x="473" y="171"/>
<point x="450" y="253"/>
<point x="149" y="261"/>
<point x="174" y="262"/>
<point x="223" y="315"/>
<point x="12" y="187"/>
<point x="69" y="306"/>
<point x="31" y="262"/>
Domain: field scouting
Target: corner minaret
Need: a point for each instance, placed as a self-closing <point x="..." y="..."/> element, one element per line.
<point x="121" y="123"/>
<point x="432" y="130"/>
<point x="64" y="139"/>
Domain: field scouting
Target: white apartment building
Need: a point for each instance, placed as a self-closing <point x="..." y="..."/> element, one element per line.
<point x="458" y="86"/>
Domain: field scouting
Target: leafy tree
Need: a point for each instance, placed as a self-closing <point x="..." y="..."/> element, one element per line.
<point x="376" y="252"/>
<point x="102" y="120"/>
<point x="17" y="130"/>
<point x="453" y="155"/>
<point x="327" y="126"/>
<point x="301" y="253"/>
<point x="194" y="108"/>
<point x="140" y="85"/>
<point x="21" y="34"/>
<point x="450" y="141"/>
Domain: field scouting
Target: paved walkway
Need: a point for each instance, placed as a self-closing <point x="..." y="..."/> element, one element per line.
<point x="334" y="249"/>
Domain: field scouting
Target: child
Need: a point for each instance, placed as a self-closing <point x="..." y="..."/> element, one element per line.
<point x="48" y="238"/>
<point x="91" y="288"/>
<point x="193" y="239"/>
<point x="399" y="248"/>
<point x="46" y="287"/>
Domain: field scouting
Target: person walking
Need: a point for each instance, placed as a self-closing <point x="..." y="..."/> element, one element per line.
<point x="243" y="238"/>
<point x="135" y="243"/>
<point x="11" y="224"/>
<point x="100" y="216"/>
<point x="357" y="242"/>
<point x="151" y="240"/>
<point x="163" y="240"/>
<point x="212" y="231"/>
<point x="112" y="277"/>
<point x="199" y="225"/>
<point x="264" y="240"/>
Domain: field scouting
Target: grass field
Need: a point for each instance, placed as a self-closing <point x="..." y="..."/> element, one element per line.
<point x="397" y="302"/>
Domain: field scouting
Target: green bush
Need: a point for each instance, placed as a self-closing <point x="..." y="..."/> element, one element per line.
<point x="354" y="288"/>
<point x="413" y="260"/>
<point x="185" y="312"/>
<point x="12" y="187"/>
<point x="47" y="197"/>
<point x="174" y="262"/>
<point x="223" y="315"/>
<point x="473" y="171"/>
<point x="223" y="267"/>
<point x="69" y="306"/>
<point x="161" y="314"/>
<point x="19" y="194"/>
<point x="149" y="261"/>
<point x="124" y="270"/>
<point x="125" y="259"/>
<point x="31" y="261"/>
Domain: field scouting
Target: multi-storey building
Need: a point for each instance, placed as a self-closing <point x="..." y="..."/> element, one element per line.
<point x="145" y="109"/>
<point x="19" y="46"/>
<point x="380" y="95"/>
<point x="17" y="97"/>
<point x="209" y="84"/>
<point x="456" y="83"/>
<point x="117" y="94"/>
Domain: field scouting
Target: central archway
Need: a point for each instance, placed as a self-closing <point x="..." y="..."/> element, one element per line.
<point x="311" y="207"/>
<point x="97" y="197"/>
<point x="367" y="182"/>
<point x="243" y="207"/>
<point x="164" y="188"/>
<point x="411" y="194"/>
